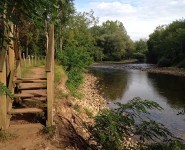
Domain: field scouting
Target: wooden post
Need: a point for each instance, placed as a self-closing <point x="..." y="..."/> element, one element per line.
<point x="18" y="69"/>
<point x="11" y="54"/>
<point x="50" y="76"/>
<point x="3" y="107"/>
<point x="11" y="59"/>
<point x="35" y="60"/>
<point x="32" y="60"/>
<point x="24" y="59"/>
<point x="29" y="62"/>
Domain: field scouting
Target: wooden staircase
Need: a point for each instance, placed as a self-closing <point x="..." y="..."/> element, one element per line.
<point x="26" y="90"/>
<point x="32" y="90"/>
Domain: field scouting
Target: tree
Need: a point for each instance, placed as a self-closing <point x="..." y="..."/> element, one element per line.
<point x="78" y="48"/>
<point x="166" y="46"/>
<point x="140" y="50"/>
<point x="111" y="37"/>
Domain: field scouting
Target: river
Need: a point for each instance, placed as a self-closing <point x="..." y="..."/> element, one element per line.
<point x="123" y="82"/>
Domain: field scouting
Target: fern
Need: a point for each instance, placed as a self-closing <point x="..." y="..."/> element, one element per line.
<point x="112" y="127"/>
<point x="5" y="91"/>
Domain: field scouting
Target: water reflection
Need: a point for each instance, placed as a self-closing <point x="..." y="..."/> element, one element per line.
<point x="119" y="83"/>
<point x="112" y="83"/>
<point x="171" y="87"/>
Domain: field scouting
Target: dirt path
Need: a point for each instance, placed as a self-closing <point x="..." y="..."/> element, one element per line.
<point x="70" y="116"/>
<point x="38" y="72"/>
<point x="27" y="135"/>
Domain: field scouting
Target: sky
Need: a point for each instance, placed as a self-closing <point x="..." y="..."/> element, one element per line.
<point x="140" y="17"/>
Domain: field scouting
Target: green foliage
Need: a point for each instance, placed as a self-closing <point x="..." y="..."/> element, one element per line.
<point x="141" y="45"/>
<point x="88" y="112"/>
<point x="140" y="50"/>
<point x="31" y="19"/>
<point x="111" y="38"/>
<point x="139" y="56"/>
<point x="59" y="73"/>
<point x="76" y="107"/>
<point x="166" y="44"/>
<point x="181" y="64"/>
<point x="74" y="59"/>
<point x="49" y="131"/>
<point x="112" y="127"/>
<point x="5" y="91"/>
<point x="164" y="62"/>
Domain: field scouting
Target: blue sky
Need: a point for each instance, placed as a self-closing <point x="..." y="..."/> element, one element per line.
<point x="140" y="17"/>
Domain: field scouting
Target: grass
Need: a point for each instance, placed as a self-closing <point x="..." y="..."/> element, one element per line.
<point x="25" y="70"/>
<point x="26" y="65"/>
<point x="49" y="131"/>
<point x="5" y="136"/>
<point x="59" y="94"/>
<point x="76" y="107"/>
<point x="34" y="63"/>
<point x="76" y="93"/>
<point x="59" y="73"/>
<point x="88" y="112"/>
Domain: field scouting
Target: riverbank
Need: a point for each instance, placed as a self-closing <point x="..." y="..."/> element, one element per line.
<point x="72" y="113"/>
<point x="117" y="62"/>
<point x="145" y="67"/>
<point x="166" y="70"/>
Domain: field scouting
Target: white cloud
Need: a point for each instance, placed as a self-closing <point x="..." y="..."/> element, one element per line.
<point x="140" y="17"/>
<point x="118" y="7"/>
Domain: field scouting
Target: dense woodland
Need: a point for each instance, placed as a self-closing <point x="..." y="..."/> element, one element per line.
<point x="166" y="45"/>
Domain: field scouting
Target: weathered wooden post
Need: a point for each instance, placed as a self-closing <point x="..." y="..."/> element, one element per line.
<point x="50" y="76"/>
<point x="24" y="59"/>
<point x="3" y="102"/>
<point x="35" y="60"/>
<point x="29" y="61"/>
<point x="10" y="74"/>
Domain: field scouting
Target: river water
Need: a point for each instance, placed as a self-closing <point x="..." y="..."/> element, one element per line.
<point x="123" y="82"/>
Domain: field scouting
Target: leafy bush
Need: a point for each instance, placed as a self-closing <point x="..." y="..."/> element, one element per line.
<point x="140" y="56"/>
<point x="181" y="64"/>
<point x="164" y="62"/>
<point x="112" y="127"/>
<point x="59" y="73"/>
<point x="74" y="59"/>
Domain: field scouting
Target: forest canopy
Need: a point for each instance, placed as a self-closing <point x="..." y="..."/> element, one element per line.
<point x="166" y="45"/>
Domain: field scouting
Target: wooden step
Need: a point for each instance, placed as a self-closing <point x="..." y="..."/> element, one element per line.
<point x="26" y="126"/>
<point x="30" y="95"/>
<point x="30" y="81"/>
<point x="34" y="88"/>
<point x="31" y="78"/>
<point x="25" y="110"/>
<point x="35" y="99"/>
